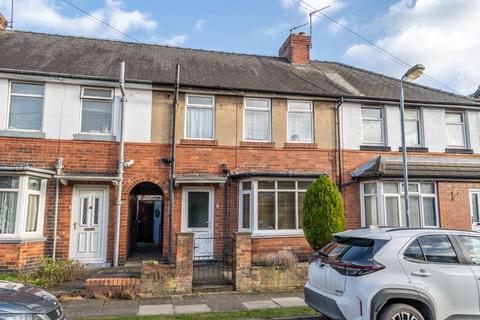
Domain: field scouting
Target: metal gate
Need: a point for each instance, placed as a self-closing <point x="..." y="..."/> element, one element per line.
<point x="212" y="260"/>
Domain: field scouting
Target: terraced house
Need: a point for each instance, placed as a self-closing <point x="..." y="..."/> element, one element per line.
<point x="251" y="133"/>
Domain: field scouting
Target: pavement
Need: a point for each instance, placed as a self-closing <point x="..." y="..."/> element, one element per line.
<point x="188" y="304"/>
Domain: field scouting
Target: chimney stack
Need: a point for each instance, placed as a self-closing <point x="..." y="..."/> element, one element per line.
<point x="3" y="22"/>
<point x="296" y="49"/>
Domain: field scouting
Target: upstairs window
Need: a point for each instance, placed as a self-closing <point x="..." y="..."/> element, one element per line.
<point x="300" y="121"/>
<point x="257" y="122"/>
<point x="456" y="133"/>
<point x="372" y="125"/>
<point x="200" y="117"/>
<point x="26" y="106"/>
<point x="412" y="127"/>
<point x="97" y="111"/>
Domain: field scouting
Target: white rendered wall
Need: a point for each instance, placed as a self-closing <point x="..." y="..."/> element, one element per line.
<point x="351" y="126"/>
<point x="62" y="109"/>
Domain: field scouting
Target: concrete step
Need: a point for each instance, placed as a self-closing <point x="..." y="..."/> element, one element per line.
<point x="205" y="288"/>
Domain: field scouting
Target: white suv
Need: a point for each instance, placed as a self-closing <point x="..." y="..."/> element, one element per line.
<point x="397" y="274"/>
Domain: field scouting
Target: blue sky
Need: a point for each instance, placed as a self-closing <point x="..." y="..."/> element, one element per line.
<point x="441" y="34"/>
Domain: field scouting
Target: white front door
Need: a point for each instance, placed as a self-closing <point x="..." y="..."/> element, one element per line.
<point x="88" y="242"/>
<point x="475" y="209"/>
<point x="198" y="218"/>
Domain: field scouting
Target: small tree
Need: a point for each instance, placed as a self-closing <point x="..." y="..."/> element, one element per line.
<point x="322" y="212"/>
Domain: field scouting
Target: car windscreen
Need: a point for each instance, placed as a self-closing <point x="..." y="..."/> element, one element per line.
<point x="358" y="251"/>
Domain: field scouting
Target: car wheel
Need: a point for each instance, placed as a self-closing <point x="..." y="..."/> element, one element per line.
<point x="400" y="311"/>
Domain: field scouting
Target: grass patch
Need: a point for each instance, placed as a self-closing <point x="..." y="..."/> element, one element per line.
<point x="231" y="315"/>
<point x="8" y="277"/>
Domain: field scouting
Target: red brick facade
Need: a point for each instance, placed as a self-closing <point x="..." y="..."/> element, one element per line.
<point x="192" y="158"/>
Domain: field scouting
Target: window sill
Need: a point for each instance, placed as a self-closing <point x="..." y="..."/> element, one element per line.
<point x="260" y="144"/>
<point x="15" y="240"/>
<point x="300" y="145"/>
<point x="93" y="137"/>
<point x="22" y="134"/>
<point x="367" y="147"/>
<point x="199" y="142"/>
<point x="278" y="234"/>
<point x="414" y="149"/>
<point x="459" y="150"/>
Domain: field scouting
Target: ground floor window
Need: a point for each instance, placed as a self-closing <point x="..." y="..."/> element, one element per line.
<point x="272" y="205"/>
<point x="383" y="204"/>
<point x="22" y="202"/>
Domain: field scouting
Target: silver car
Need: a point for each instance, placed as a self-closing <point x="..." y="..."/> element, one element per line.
<point x="24" y="302"/>
<point x="397" y="274"/>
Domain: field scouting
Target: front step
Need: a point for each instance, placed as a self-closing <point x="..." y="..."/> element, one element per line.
<point x="206" y="288"/>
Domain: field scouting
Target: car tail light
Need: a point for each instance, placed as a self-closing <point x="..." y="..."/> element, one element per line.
<point x="355" y="270"/>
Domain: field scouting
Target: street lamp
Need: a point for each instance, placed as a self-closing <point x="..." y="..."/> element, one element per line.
<point x="413" y="73"/>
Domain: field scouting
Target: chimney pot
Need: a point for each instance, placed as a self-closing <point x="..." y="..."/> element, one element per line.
<point x="3" y="22"/>
<point x="296" y="49"/>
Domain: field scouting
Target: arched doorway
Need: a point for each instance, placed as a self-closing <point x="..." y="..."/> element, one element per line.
<point x="146" y="221"/>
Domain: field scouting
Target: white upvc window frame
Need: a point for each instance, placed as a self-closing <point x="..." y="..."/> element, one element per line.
<point x="312" y="119"/>
<point x="381" y="201"/>
<point x="9" y="107"/>
<point x="111" y="99"/>
<point x="254" y="207"/>
<point x="463" y="123"/>
<point x="419" y="123"/>
<point x="22" y="207"/>
<point x="382" y="127"/>
<point x="201" y="106"/>
<point x="269" y="109"/>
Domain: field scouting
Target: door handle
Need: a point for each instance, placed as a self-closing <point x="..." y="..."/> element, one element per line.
<point x="74" y="226"/>
<point x="421" y="273"/>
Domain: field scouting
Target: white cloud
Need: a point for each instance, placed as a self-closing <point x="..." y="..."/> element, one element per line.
<point x="46" y="16"/>
<point x="441" y="34"/>
<point x="274" y="30"/>
<point x="200" y="24"/>
<point x="309" y="5"/>
<point x="174" y="40"/>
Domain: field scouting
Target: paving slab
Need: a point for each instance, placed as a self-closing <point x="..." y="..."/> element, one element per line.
<point x="289" y="302"/>
<point x="246" y="297"/>
<point x="192" y="308"/>
<point x="188" y="300"/>
<point x="223" y="302"/>
<point x="119" y="308"/>
<point x="155" y="309"/>
<point x="261" y="304"/>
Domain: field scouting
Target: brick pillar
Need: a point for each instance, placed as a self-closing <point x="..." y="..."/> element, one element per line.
<point x="243" y="261"/>
<point x="184" y="262"/>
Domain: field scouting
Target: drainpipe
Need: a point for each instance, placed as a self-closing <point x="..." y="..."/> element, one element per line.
<point x="171" y="184"/>
<point x="338" y="143"/>
<point x="58" y="169"/>
<point x="121" y="161"/>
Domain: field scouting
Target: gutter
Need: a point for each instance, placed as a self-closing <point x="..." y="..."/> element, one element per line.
<point x="246" y="175"/>
<point x="234" y="91"/>
<point x="121" y="162"/>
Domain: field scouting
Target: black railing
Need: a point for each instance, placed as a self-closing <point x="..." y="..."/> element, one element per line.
<point x="213" y="260"/>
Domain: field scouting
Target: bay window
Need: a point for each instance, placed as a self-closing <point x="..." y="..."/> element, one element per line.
<point x="384" y="204"/>
<point x="26" y="106"/>
<point x="22" y="202"/>
<point x="272" y="206"/>
<point x="300" y="121"/>
<point x="257" y="120"/>
<point x="200" y="117"/>
<point x="97" y="111"/>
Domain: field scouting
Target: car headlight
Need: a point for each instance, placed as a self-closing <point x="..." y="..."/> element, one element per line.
<point x="20" y="316"/>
